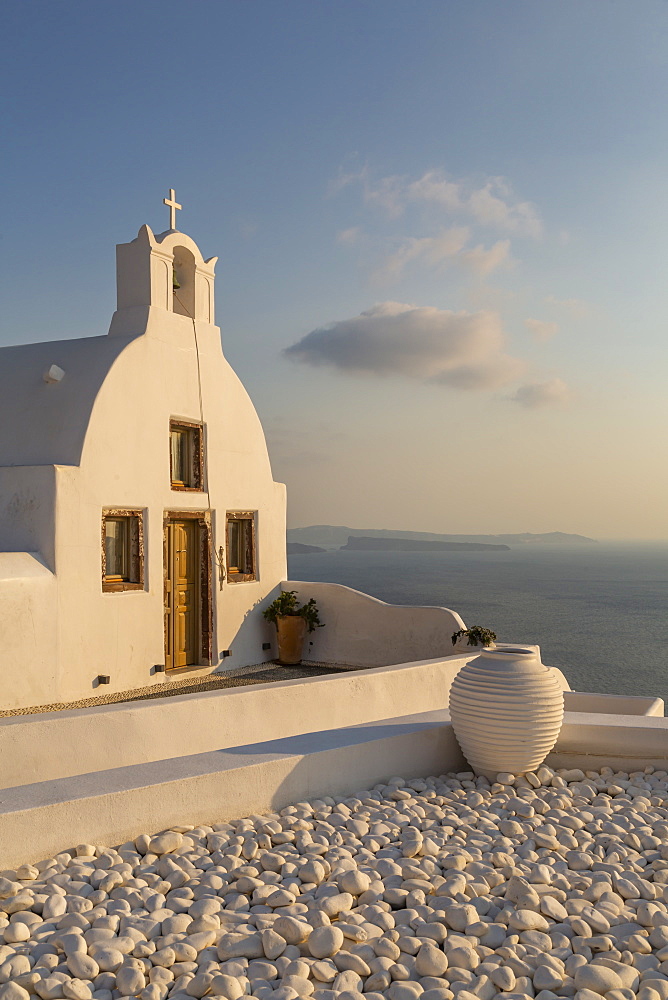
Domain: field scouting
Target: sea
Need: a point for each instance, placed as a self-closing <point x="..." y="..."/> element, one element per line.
<point x="598" y="611"/>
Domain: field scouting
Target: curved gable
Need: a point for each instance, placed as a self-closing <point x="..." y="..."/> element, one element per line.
<point x="45" y="424"/>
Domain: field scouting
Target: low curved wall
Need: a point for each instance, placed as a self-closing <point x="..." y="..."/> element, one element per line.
<point x="363" y="631"/>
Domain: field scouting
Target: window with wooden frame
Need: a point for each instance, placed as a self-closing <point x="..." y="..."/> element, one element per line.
<point x="241" y="558"/>
<point x="122" y="550"/>
<point x="186" y="455"/>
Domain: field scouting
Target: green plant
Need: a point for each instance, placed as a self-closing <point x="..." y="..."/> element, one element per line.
<point x="475" y="635"/>
<point x="287" y="605"/>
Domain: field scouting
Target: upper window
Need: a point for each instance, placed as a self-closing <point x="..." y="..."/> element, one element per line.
<point x="241" y="546"/>
<point x="122" y="550"/>
<point x="186" y="455"/>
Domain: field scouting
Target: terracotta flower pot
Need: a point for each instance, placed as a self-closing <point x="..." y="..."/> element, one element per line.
<point x="506" y="709"/>
<point x="291" y="633"/>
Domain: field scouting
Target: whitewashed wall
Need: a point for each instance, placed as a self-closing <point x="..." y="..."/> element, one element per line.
<point x="100" y="438"/>
<point x="362" y="631"/>
<point x="41" y="747"/>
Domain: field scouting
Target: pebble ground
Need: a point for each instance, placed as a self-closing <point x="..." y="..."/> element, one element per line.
<point x="550" y="885"/>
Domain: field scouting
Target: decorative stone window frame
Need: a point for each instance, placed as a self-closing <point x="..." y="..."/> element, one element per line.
<point x="197" y="456"/>
<point x="248" y="516"/>
<point x="135" y="515"/>
<point x="203" y="518"/>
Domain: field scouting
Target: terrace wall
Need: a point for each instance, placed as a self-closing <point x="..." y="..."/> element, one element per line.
<point x="60" y="744"/>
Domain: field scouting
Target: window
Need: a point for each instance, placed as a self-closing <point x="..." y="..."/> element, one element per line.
<point x="240" y="546"/>
<point x="122" y="550"/>
<point x="186" y="455"/>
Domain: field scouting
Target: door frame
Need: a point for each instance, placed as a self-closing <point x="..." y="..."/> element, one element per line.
<point x="205" y="588"/>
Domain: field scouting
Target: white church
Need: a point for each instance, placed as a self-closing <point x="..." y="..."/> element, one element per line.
<point x="141" y="536"/>
<point x="139" y="521"/>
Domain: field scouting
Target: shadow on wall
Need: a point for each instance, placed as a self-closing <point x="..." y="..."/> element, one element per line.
<point x="355" y="758"/>
<point x="253" y="633"/>
<point x="361" y="630"/>
<point x="358" y="629"/>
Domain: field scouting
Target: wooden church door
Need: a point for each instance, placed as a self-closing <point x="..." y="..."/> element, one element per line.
<point x="182" y="605"/>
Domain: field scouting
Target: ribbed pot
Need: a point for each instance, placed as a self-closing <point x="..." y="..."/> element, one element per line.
<point x="291" y="632"/>
<point x="506" y="709"/>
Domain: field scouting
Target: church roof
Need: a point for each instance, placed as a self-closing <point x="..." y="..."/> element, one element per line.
<point x="45" y="423"/>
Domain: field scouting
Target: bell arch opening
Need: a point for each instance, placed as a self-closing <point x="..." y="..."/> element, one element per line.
<point x="183" y="282"/>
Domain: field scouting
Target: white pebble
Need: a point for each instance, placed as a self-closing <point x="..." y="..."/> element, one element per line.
<point x="228" y="987"/>
<point x="77" y="989"/>
<point x="441" y="888"/>
<point x="430" y="961"/>
<point x="82" y="966"/>
<point x="323" y="942"/>
<point x="272" y="943"/>
<point x="354" y="882"/>
<point x="597" y="979"/>
<point x="166" y="842"/>
<point x="12" y="991"/>
<point x="130" y="978"/>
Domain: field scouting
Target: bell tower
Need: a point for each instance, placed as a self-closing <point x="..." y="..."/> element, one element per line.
<point x="162" y="279"/>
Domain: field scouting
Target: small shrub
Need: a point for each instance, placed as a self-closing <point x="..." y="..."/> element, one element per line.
<point x="477" y="635"/>
<point x="287" y="605"/>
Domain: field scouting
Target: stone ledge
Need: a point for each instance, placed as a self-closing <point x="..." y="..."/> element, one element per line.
<point x="41" y="819"/>
<point x="111" y="806"/>
<point x="70" y="742"/>
<point x="625" y="742"/>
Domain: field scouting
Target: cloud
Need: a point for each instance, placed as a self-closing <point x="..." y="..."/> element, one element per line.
<point x="349" y="237"/>
<point x="433" y="250"/>
<point x="464" y="350"/>
<point x="490" y="374"/>
<point x="436" y="251"/>
<point x="388" y="193"/>
<point x="435" y="187"/>
<point x="555" y="392"/>
<point x="344" y="179"/>
<point x="490" y="204"/>
<point x="483" y="261"/>
<point x="541" y="329"/>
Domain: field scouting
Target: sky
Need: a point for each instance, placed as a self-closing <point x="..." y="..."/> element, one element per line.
<point x="442" y="231"/>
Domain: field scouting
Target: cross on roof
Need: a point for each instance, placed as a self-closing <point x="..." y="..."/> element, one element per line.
<point x="173" y="205"/>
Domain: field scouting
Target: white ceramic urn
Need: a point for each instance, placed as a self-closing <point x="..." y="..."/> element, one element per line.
<point x="506" y="709"/>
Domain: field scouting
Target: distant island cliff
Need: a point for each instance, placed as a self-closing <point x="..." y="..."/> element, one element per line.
<point x="332" y="536"/>
<point x="301" y="549"/>
<point x="364" y="542"/>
